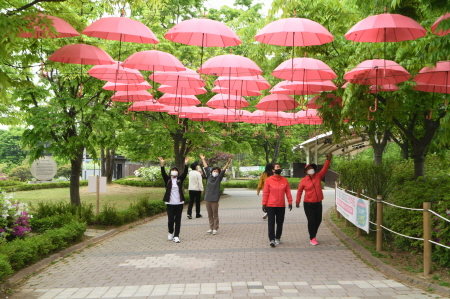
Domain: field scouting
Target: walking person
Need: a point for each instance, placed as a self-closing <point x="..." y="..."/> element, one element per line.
<point x="195" y="190"/>
<point x="174" y="198"/>
<point x="312" y="201"/>
<point x="276" y="188"/>
<point x="212" y="193"/>
<point x="267" y="173"/>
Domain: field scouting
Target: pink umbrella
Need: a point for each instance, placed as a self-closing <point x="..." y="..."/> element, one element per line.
<point x="261" y="117"/>
<point x="182" y="90"/>
<point x="377" y="72"/>
<point x="178" y="100"/>
<point x="386" y="87"/>
<point x="201" y="114"/>
<point x="309" y="117"/>
<point x="230" y="65"/>
<point x="153" y="60"/>
<point x="243" y="83"/>
<point x="312" y="104"/>
<point x="304" y="88"/>
<point x="126" y="87"/>
<point x="186" y="111"/>
<point x="116" y="73"/>
<point x="304" y="69"/>
<point x="277" y="102"/>
<point x="432" y="88"/>
<point x="81" y="54"/>
<point x="228" y="115"/>
<point x="278" y="89"/>
<point x="146" y="106"/>
<point x="227" y="101"/>
<point x="187" y="79"/>
<point x="294" y="32"/>
<point x="39" y="30"/>
<point x="441" y="32"/>
<point x="132" y="96"/>
<point x="245" y="93"/>
<point x="437" y="75"/>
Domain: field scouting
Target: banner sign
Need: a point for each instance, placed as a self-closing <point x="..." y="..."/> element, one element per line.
<point x="354" y="209"/>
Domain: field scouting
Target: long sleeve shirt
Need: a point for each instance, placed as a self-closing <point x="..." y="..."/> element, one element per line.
<point x="213" y="185"/>
<point x="312" y="186"/>
<point x="262" y="180"/>
<point x="276" y="188"/>
<point x="195" y="181"/>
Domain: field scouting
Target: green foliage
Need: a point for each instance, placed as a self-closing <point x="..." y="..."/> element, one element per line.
<point x="234" y="184"/>
<point x="27" y="187"/>
<point x="5" y="267"/>
<point x="54" y="212"/>
<point x="21" y="173"/>
<point x="138" y="183"/>
<point x="10" y="150"/>
<point x="293" y="183"/>
<point x="64" y="171"/>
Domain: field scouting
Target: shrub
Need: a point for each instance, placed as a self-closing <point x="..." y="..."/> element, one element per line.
<point x="21" y="172"/>
<point x="234" y="184"/>
<point x="14" y="220"/>
<point x="151" y="174"/>
<point x="64" y="171"/>
<point x="27" y="187"/>
<point x="40" y="225"/>
<point x="83" y="212"/>
<point x="5" y="267"/>
<point x="140" y="183"/>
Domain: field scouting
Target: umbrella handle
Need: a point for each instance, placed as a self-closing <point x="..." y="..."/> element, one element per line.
<point x="430" y="115"/>
<point x="368" y="116"/>
<point x="125" y="112"/>
<point x="375" y="106"/>
<point x="133" y="117"/>
<point x="202" y="130"/>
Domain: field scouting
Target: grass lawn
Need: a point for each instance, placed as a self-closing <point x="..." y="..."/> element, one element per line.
<point x="119" y="195"/>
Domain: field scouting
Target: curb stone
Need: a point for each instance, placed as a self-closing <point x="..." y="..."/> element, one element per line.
<point x="386" y="269"/>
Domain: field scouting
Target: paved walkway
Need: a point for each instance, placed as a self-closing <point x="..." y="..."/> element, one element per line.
<point x="237" y="262"/>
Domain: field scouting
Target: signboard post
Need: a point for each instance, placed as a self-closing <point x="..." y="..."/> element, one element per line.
<point x="354" y="209"/>
<point x="97" y="184"/>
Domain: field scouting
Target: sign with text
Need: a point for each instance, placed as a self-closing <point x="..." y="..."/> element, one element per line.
<point x="44" y="169"/>
<point x="354" y="209"/>
<point x="92" y="184"/>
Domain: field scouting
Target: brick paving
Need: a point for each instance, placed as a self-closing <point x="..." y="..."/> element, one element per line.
<point x="236" y="263"/>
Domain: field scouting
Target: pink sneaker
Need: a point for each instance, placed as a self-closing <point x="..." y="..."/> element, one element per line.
<point x="314" y="242"/>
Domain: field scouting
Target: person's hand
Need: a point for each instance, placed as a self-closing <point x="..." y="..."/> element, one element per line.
<point x="290" y="207"/>
<point x="297" y="205"/>
<point x="257" y="193"/>
<point x="186" y="160"/>
<point x="264" y="208"/>
<point x="161" y="160"/>
<point x="329" y="156"/>
<point x="202" y="156"/>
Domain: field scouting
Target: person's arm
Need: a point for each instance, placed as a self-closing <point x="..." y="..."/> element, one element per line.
<point x="288" y="194"/>
<point x="266" y="193"/>
<point x="207" y="172"/>
<point x="228" y="164"/>
<point x="324" y="170"/>
<point x="185" y="172"/>
<point x="205" y="165"/>
<point x="301" y="187"/>
<point x="163" y="170"/>
<point x="260" y="183"/>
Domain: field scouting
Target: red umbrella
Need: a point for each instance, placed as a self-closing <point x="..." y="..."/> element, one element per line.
<point x="132" y="96"/>
<point x="186" y="79"/>
<point x="308" y="117"/>
<point x="243" y="83"/>
<point x="261" y="117"/>
<point x="230" y="65"/>
<point x="304" y="69"/>
<point x="277" y="102"/>
<point x="386" y="87"/>
<point x="39" y="30"/>
<point x="432" y="88"/>
<point x="228" y="115"/>
<point x="199" y="113"/>
<point x="146" y="106"/>
<point x="304" y="87"/>
<point x="116" y="73"/>
<point x="121" y="29"/>
<point x="227" y="101"/>
<point x="377" y="72"/>
<point x="294" y="32"/>
<point x="278" y="89"/>
<point x="126" y="87"/>
<point x="178" y="100"/>
<point x="385" y="28"/>
<point x="153" y="60"/>
<point x="245" y="93"/>
<point x="441" y="32"/>
<point x="437" y="75"/>
<point x="81" y="54"/>
<point x="312" y="104"/>
<point x="182" y="90"/>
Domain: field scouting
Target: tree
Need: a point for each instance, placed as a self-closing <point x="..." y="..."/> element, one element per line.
<point x="10" y="150"/>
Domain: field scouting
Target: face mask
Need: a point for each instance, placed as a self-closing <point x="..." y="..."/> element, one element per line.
<point x="174" y="173"/>
<point x="278" y="171"/>
<point x="214" y="174"/>
<point x="310" y="172"/>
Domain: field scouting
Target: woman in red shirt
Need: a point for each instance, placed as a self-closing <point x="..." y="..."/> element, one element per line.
<point x="275" y="189"/>
<point x="312" y="202"/>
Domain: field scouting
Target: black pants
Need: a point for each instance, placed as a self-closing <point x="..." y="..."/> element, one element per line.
<point x="313" y="213"/>
<point x="174" y="217"/>
<point x="275" y="215"/>
<point x="194" y="196"/>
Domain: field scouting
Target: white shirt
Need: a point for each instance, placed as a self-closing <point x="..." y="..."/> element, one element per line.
<point x="195" y="181"/>
<point x="174" y="193"/>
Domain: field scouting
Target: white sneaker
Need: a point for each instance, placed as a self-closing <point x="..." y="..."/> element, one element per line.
<point x="209" y="231"/>
<point x="272" y="243"/>
<point x="214" y="232"/>
<point x="176" y="240"/>
<point x="278" y="241"/>
<point x="170" y="237"/>
<point x="265" y="216"/>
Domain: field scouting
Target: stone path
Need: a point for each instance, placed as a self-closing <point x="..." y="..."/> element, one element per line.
<point x="237" y="262"/>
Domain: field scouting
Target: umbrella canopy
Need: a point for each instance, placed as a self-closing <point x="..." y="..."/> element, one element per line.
<point x="203" y="32"/>
<point x="227" y="101"/>
<point x="81" y="54"/>
<point x="245" y="93"/>
<point x="178" y="100"/>
<point x="187" y="79"/>
<point x="199" y="113"/>
<point x="230" y="65"/>
<point x="386" y="87"/>
<point x="243" y="83"/>
<point x="432" y="88"/>
<point x="304" y="69"/>
<point x="308" y="117"/>
<point x="313" y="103"/>
<point x="228" y="115"/>
<point x="146" y="106"/>
<point x="39" y="30"/>
<point x="377" y="72"/>
<point x="441" y="32"/>
<point x="153" y="60"/>
<point x="261" y="117"/>
<point x="294" y="32"/>
<point x="126" y="87"/>
<point x="303" y="88"/>
<point x="132" y="96"/>
<point x="182" y="90"/>
<point x="116" y="73"/>
<point x="385" y="28"/>
<point x="437" y="75"/>
<point x="277" y="102"/>
<point x="187" y="111"/>
<point x="121" y="29"/>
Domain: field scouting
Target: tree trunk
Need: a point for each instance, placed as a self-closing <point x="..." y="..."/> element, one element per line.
<point x="419" y="161"/>
<point x="379" y="142"/>
<point x="276" y="150"/>
<point x="109" y="165"/>
<point x="102" y="162"/>
<point x="405" y="149"/>
<point x="181" y="147"/>
<point x="75" y="177"/>
<point x="266" y="147"/>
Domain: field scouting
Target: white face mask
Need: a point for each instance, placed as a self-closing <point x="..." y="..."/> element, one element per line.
<point x="310" y="172"/>
<point x="214" y="174"/>
<point x="174" y="173"/>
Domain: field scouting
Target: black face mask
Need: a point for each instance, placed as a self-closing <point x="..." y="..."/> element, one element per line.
<point x="278" y="171"/>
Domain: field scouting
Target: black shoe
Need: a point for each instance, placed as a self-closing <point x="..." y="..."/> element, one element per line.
<point x="189" y="216"/>
<point x="199" y="216"/>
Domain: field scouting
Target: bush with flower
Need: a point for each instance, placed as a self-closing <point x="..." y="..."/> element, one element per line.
<point x="14" y="218"/>
<point x="152" y="173"/>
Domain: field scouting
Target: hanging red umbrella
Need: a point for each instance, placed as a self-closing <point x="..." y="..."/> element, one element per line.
<point x="178" y="100"/>
<point x="227" y="101"/>
<point x="228" y="115"/>
<point x="116" y="73"/>
<point x="153" y="60"/>
<point x="386" y="87"/>
<point x="277" y="102"/>
<point x="126" y="87"/>
<point x="261" y="117"/>
<point x="39" y="30"/>
<point x="230" y="65"/>
<point x="312" y="104"/>
<point x="187" y="79"/>
<point x="385" y="28"/>
<point x="303" y="88"/>
<point x="199" y="114"/>
<point x="441" y="32"/>
<point x="432" y="88"/>
<point x="309" y="117"/>
<point x="181" y="90"/>
<point x="146" y="106"/>
<point x="437" y="75"/>
<point x="294" y="32"/>
<point x="243" y="83"/>
<point x="377" y="72"/>
<point x="81" y="54"/>
<point x="245" y="93"/>
<point x="132" y="96"/>
<point x="304" y="69"/>
<point x="121" y="29"/>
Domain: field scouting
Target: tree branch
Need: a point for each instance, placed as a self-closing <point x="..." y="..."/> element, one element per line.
<point x="10" y="13"/>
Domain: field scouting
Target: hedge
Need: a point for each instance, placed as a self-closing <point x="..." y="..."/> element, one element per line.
<point x="27" y="187"/>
